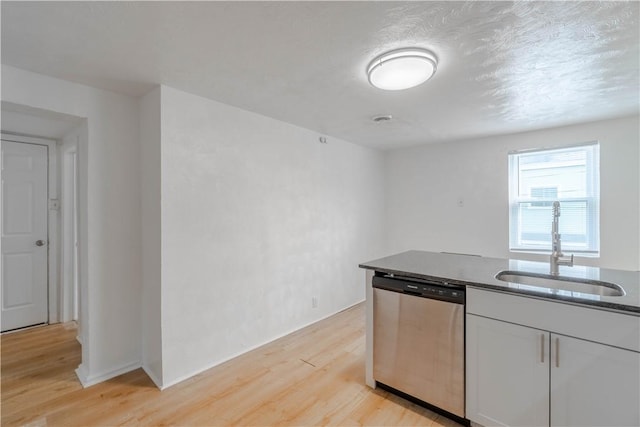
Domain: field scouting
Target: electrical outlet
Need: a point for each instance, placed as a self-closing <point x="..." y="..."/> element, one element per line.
<point x="314" y="302"/>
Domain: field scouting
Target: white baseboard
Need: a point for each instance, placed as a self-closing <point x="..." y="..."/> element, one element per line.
<point x="88" y="380"/>
<point x="226" y="359"/>
<point x="82" y="374"/>
<point x="155" y="380"/>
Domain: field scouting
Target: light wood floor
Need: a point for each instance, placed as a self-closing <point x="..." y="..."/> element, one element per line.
<point x="314" y="376"/>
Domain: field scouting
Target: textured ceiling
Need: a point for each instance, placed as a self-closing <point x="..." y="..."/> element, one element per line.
<point x="503" y="66"/>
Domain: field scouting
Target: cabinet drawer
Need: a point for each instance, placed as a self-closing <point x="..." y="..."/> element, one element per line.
<point x="601" y="326"/>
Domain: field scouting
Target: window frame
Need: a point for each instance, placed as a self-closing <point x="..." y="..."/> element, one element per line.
<point x="592" y="200"/>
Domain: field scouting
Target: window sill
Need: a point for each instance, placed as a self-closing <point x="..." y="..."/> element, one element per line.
<point x="548" y="253"/>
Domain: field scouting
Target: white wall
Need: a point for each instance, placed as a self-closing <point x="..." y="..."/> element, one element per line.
<point x="424" y="184"/>
<point x="110" y="257"/>
<point x="150" y="179"/>
<point x="244" y="219"/>
<point x="257" y="218"/>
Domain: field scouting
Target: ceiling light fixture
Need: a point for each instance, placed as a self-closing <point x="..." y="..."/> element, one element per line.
<point x="402" y="68"/>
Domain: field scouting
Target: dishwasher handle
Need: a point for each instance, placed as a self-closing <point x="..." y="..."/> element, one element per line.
<point x="414" y="293"/>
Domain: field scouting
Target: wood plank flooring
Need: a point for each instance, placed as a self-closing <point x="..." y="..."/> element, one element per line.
<point x="312" y="377"/>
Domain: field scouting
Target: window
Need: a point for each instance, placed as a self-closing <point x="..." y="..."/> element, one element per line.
<point x="537" y="178"/>
<point x="545" y="193"/>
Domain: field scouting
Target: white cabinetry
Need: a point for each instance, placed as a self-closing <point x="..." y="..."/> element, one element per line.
<point x="593" y="384"/>
<point x="523" y="370"/>
<point x="507" y="375"/>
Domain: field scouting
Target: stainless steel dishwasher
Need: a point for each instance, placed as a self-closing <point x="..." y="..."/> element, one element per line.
<point x="418" y="340"/>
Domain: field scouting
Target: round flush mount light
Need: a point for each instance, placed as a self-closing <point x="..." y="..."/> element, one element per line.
<point x="402" y="68"/>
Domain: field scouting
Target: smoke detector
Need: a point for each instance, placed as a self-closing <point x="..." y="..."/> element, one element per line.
<point x="382" y="119"/>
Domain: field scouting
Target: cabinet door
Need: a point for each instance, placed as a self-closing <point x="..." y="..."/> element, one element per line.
<point x="507" y="373"/>
<point x="593" y="384"/>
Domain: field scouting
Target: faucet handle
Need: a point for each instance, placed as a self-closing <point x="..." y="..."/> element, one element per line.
<point x="566" y="261"/>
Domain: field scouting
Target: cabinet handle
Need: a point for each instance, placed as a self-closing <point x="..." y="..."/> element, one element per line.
<point x="557" y="352"/>
<point x="542" y="348"/>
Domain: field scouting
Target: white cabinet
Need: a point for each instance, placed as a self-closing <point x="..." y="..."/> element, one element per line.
<point x="593" y="384"/>
<point x="522" y="369"/>
<point x="507" y="374"/>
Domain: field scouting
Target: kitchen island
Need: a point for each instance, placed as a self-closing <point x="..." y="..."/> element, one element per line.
<point x="534" y="355"/>
<point x="469" y="270"/>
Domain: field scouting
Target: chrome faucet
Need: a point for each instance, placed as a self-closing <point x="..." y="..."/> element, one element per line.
<point x="557" y="257"/>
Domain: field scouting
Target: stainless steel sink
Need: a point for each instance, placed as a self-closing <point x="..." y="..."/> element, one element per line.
<point x="562" y="283"/>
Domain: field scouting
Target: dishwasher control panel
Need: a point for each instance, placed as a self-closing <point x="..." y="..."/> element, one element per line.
<point x="421" y="289"/>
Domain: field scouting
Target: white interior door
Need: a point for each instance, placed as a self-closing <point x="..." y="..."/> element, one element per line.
<point x="24" y="235"/>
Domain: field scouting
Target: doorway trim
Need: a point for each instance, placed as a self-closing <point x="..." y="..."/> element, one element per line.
<point x="52" y="215"/>
<point x="69" y="230"/>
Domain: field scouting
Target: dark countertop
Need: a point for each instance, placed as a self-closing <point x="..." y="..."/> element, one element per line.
<point x="469" y="270"/>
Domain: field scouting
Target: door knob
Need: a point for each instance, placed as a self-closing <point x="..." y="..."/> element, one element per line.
<point x="40" y="242"/>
